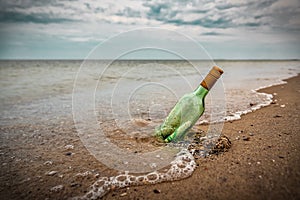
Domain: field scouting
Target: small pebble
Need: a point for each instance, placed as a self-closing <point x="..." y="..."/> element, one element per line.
<point x="25" y="180"/>
<point x="84" y="174"/>
<point x="52" y="173"/>
<point x="68" y="154"/>
<point x="57" y="188"/>
<point x="123" y="194"/>
<point x="251" y="134"/>
<point x="75" y="185"/>
<point x="258" y="163"/>
<point x="260" y="176"/>
<point x="49" y="162"/>
<point x="69" y="146"/>
<point x="246" y="138"/>
<point x="282" y="106"/>
<point x="156" y="191"/>
<point x="280" y="156"/>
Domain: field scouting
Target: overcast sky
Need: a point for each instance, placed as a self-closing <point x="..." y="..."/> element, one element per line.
<point x="228" y="29"/>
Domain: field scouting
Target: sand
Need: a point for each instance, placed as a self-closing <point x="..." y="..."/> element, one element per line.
<point x="48" y="160"/>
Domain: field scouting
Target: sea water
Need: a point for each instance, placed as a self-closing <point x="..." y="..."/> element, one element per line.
<point x="42" y="90"/>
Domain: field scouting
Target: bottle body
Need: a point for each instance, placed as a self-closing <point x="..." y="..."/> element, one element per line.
<point x="183" y="116"/>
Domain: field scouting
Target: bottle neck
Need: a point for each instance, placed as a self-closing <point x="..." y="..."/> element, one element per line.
<point x="201" y="91"/>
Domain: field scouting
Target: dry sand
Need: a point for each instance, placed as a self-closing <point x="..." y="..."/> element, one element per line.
<point x="263" y="162"/>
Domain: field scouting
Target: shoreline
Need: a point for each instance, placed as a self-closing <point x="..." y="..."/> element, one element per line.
<point x="262" y="163"/>
<point x="237" y="115"/>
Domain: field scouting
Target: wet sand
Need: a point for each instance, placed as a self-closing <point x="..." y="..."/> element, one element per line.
<point x="48" y="160"/>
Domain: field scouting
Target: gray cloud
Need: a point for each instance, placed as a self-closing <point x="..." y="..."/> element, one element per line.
<point x="13" y="5"/>
<point x="129" y="12"/>
<point x="212" y="33"/>
<point x="43" y="18"/>
<point x="204" y="22"/>
<point x="225" y="6"/>
<point x="208" y="14"/>
<point x="16" y="11"/>
<point x="214" y="18"/>
<point x="264" y="4"/>
<point x="220" y="15"/>
<point x="160" y="11"/>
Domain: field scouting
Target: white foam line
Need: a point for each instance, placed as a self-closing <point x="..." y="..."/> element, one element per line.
<point x="237" y="115"/>
<point x="181" y="167"/>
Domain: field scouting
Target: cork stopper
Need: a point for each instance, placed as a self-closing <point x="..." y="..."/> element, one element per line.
<point x="211" y="78"/>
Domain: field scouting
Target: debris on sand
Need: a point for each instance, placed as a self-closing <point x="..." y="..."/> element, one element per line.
<point x="51" y="173"/>
<point x="57" y="188"/>
<point x="204" y="146"/>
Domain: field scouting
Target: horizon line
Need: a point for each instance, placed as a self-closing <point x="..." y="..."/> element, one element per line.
<point x="218" y="59"/>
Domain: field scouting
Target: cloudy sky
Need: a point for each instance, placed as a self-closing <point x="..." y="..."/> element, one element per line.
<point x="227" y="29"/>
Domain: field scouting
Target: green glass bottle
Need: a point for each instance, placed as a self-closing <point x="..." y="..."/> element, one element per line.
<point x="187" y="110"/>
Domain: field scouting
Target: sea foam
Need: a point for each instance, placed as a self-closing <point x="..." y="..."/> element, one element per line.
<point x="181" y="167"/>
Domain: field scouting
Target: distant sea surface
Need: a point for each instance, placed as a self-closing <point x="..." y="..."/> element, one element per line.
<point x="35" y="91"/>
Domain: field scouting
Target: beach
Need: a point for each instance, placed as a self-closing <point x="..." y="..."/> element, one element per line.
<point x="48" y="160"/>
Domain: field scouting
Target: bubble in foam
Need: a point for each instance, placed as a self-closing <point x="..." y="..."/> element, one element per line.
<point x="181" y="167"/>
